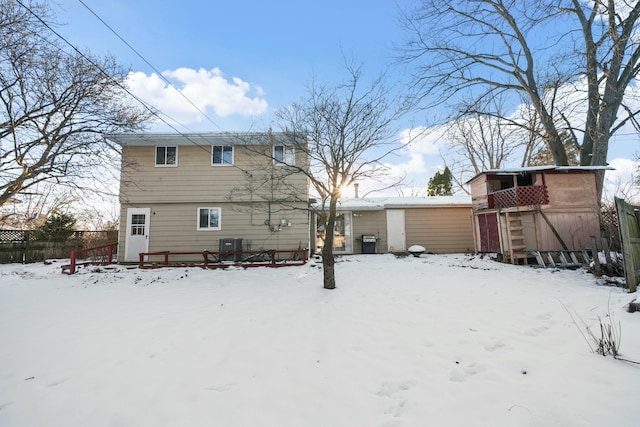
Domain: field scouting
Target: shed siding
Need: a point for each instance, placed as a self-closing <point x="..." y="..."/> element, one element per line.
<point x="575" y="227"/>
<point x="478" y="189"/>
<point x="531" y="238"/>
<point x="567" y="191"/>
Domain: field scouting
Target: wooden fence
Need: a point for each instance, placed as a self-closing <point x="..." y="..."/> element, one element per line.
<point x="22" y="246"/>
<point x="629" y="223"/>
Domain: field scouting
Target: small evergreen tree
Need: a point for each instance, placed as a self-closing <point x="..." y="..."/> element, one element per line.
<point x="58" y="227"/>
<point x="440" y="184"/>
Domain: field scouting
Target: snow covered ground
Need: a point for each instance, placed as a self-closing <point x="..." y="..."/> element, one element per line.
<point x="437" y="340"/>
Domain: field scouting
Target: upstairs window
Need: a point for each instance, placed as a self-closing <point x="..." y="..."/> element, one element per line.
<point x="283" y="154"/>
<point x="221" y="155"/>
<point x="209" y="218"/>
<point x="166" y="156"/>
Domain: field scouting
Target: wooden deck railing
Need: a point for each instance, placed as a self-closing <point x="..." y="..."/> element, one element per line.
<point x="99" y="255"/>
<point x="530" y="195"/>
<point x="268" y="258"/>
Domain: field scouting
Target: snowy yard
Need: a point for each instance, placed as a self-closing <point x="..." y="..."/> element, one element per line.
<point x="436" y="340"/>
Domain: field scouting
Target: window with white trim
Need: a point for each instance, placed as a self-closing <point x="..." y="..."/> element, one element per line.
<point x="284" y="154"/>
<point x="209" y="219"/>
<point x="137" y="224"/>
<point x="166" y="156"/>
<point x="221" y="155"/>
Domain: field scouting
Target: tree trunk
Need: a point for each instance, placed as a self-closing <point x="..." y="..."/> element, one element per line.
<point x="328" y="266"/>
<point x="328" y="261"/>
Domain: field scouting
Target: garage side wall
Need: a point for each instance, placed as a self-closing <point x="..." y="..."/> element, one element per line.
<point x="369" y="223"/>
<point x="441" y="230"/>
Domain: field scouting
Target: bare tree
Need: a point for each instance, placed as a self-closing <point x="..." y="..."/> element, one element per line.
<point x="55" y="104"/>
<point x="33" y="207"/>
<point x="490" y="47"/>
<point x="349" y="132"/>
<point x="486" y="137"/>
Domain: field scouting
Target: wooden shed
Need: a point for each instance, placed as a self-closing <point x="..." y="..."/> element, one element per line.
<point x="520" y="210"/>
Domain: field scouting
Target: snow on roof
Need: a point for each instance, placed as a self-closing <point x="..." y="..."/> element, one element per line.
<point x="519" y="170"/>
<point x="206" y="138"/>
<point x="380" y="203"/>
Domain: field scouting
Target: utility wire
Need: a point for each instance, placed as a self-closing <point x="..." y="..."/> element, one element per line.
<point x="149" y="64"/>
<point x="151" y="110"/>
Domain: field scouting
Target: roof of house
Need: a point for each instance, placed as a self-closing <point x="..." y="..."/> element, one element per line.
<point x="381" y="203"/>
<point x="548" y="168"/>
<point x="210" y="138"/>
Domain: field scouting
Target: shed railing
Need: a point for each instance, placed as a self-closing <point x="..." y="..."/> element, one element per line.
<point x="530" y="195"/>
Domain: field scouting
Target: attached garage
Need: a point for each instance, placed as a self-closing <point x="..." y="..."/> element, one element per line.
<point x="440" y="224"/>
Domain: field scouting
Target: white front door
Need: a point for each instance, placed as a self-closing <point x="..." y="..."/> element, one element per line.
<point x="396" y="241"/>
<point x="137" y="238"/>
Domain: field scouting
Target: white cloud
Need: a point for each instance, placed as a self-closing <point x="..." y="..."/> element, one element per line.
<point x="421" y="143"/>
<point x="415" y="163"/>
<point x="208" y="90"/>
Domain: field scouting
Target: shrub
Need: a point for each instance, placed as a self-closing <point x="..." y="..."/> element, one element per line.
<point x="57" y="227"/>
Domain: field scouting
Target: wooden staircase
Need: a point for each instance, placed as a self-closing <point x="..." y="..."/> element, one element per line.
<point x="515" y="233"/>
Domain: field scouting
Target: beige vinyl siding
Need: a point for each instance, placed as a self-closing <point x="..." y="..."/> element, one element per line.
<point x="369" y="223"/>
<point x="173" y="227"/>
<point x="194" y="179"/>
<point x="440" y="230"/>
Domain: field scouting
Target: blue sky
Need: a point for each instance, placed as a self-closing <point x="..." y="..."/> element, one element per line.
<point x="273" y="47"/>
<point x="240" y="60"/>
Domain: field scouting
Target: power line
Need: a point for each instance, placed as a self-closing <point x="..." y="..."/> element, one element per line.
<point x="149" y="108"/>
<point x="149" y="64"/>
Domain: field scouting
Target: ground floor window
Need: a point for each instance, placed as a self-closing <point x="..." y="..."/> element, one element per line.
<point x="342" y="235"/>
<point x="209" y="219"/>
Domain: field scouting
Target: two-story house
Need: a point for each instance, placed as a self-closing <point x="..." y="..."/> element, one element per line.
<point x="195" y="192"/>
<point x="519" y="210"/>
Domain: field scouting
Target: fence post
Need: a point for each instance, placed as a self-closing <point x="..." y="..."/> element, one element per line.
<point x="72" y="264"/>
<point x="596" y="256"/>
<point x="607" y="256"/>
<point x="26" y="247"/>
